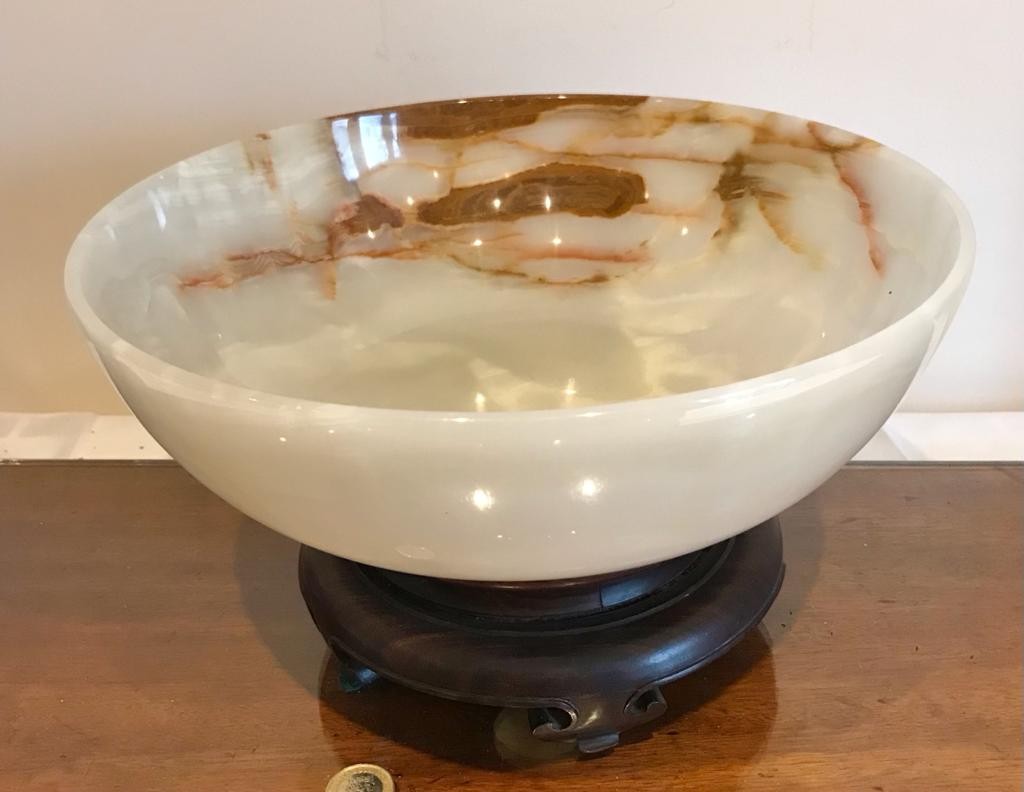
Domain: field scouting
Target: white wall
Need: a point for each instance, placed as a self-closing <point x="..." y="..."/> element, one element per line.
<point x="95" y="95"/>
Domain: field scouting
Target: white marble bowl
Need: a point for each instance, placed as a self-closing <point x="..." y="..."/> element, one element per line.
<point x="522" y="338"/>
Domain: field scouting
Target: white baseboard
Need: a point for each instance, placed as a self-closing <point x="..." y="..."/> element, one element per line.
<point x="906" y="437"/>
<point x="27" y="436"/>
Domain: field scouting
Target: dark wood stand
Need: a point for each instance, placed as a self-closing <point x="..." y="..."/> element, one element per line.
<point x="586" y="657"/>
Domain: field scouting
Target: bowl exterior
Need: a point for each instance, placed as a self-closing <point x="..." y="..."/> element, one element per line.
<point x="541" y="495"/>
<point x="542" y="489"/>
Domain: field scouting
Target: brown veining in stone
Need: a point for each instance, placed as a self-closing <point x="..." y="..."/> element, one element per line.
<point x="820" y="131"/>
<point x="867" y="215"/>
<point x="810" y="157"/>
<point x="735" y="184"/>
<point x="328" y="278"/>
<point x="866" y="211"/>
<point x="766" y="134"/>
<point x="579" y="252"/>
<point x="259" y="157"/>
<point x="469" y="117"/>
<point x="770" y="211"/>
<point x="368" y="214"/>
<point x="585" y="190"/>
<point x="570" y="179"/>
<point x="584" y="158"/>
<point x="240" y="266"/>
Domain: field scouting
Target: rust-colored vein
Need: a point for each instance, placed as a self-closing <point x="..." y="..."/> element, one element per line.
<point x="865" y="211"/>
<point x="259" y="158"/>
<point x="328" y="278"/>
<point x="242" y="266"/>
<point x="735" y="184"/>
<point x="770" y="212"/>
<point x="596" y="278"/>
<point x="813" y="159"/>
<point x="366" y="216"/>
<point x="727" y="223"/>
<point x="816" y="131"/>
<point x="574" y="155"/>
<point x="580" y="252"/>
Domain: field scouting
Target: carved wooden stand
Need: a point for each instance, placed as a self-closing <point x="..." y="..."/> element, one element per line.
<point x="586" y="656"/>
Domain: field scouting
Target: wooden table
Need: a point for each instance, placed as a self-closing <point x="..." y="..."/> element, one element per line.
<point x="152" y="638"/>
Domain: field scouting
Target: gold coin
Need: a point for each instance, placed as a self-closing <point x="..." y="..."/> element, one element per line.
<point x="362" y="778"/>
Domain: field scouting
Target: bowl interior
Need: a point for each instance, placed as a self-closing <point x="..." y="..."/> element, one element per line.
<point x="518" y="253"/>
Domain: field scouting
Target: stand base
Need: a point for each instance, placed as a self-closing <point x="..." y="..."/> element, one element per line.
<point x="587" y="657"/>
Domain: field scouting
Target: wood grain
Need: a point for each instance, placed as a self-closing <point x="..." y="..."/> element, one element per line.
<point x="152" y="638"/>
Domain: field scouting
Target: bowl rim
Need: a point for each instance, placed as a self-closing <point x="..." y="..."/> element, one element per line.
<point x="202" y="387"/>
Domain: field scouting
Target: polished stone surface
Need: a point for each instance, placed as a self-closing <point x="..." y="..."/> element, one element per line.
<point x="522" y="338"/>
<point x="657" y="246"/>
